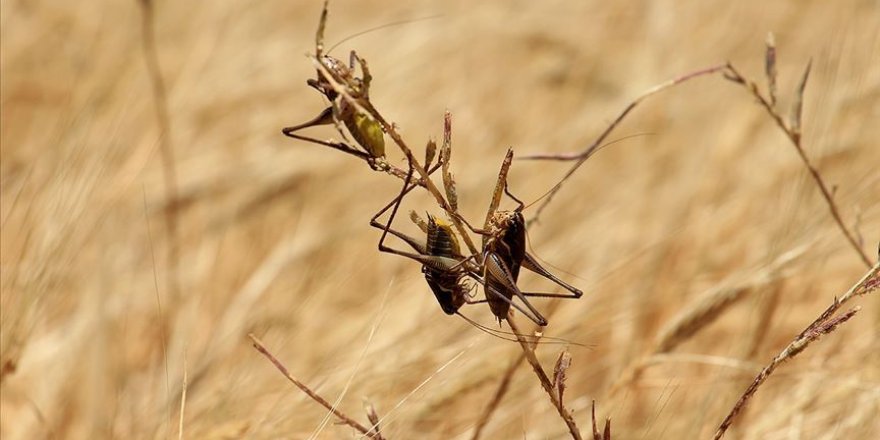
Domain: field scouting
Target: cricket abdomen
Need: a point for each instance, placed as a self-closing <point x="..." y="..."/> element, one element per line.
<point x="446" y="283"/>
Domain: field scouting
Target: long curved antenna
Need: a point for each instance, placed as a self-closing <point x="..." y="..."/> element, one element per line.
<point x="383" y="26"/>
<point x="550" y="340"/>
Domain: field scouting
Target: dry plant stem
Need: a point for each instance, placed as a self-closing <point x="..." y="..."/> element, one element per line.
<point x="545" y="380"/>
<point x="581" y="157"/>
<point x="824" y="324"/>
<point x="166" y="150"/>
<point x="342" y="417"/>
<point x="500" y="392"/>
<point x="367" y="108"/>
<point x="794" y="136"/>
<point x="162" y="335"/>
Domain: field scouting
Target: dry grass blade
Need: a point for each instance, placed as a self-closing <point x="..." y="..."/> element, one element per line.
<point x="495" y="401"/>
<point x="166" y="149"/>
<point x="314" y="396"/>
<point x="704" y="311"/>
<point x="823" y="325"/>
<point x="707" y="309"/>
<point x="183" y="387"/>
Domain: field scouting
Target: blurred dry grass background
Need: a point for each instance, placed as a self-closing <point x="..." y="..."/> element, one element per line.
<point x="275" y="239"/>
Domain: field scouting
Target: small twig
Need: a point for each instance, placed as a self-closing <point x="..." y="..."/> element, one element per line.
<point x="314" y="396"/>
<point x="824" y="324"/>
<point x="545" y="381"/>
<point x="581" y="157"/>
<point x="794" y="136"/>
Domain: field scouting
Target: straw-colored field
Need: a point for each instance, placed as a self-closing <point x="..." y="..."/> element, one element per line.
<point x="708" y="200"/>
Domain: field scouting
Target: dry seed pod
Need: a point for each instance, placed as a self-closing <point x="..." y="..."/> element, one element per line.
<point x="770" y="67"/>
<point x="430" y="151"/>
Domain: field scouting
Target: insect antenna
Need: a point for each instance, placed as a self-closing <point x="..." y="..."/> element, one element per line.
<point x="601" y="147"/>
<point x="529" y="239"/>
<point x="549" y="340"/>
<point x="383" y="26"/>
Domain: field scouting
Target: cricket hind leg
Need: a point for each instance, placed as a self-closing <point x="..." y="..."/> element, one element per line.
<point x="530" y="263"/>
<point x="500" y="273"/>
<point x="395" y="203"/>
<point x="324" y="118"/>
<point x="436" y="262"/>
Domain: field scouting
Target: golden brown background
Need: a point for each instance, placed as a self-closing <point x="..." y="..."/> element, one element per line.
<point x="274" y="236"/>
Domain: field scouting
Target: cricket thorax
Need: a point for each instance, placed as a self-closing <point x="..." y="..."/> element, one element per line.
<point x="504" y="225"/>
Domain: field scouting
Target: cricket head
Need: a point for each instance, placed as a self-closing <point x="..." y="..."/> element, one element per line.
<point x="340" y="73"/>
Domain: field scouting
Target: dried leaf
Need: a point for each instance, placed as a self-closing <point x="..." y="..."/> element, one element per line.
<point x="451" y="193"/>
<point x="798" y="105"/>
<point x="446" y="155"/>
<point x="447" y="129"/>
<point x="563" y="362"/>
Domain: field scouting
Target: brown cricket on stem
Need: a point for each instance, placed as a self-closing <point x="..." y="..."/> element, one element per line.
<point x="444" y="263"/>
<point x="504" y="252"/>
<point x="365" y="131"/>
